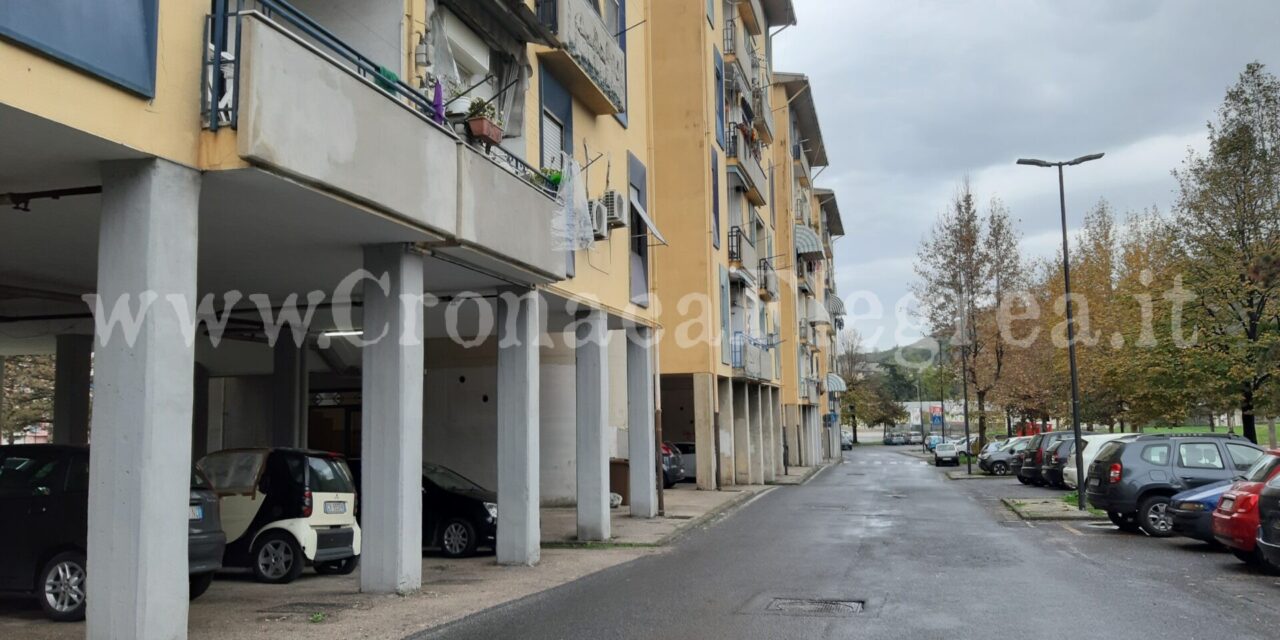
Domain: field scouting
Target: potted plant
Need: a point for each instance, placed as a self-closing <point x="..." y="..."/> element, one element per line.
<point x="483" y="123"/>
<point x="552" y="177"/>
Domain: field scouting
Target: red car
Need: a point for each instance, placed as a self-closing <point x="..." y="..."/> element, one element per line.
<point x="1236" y="521"/>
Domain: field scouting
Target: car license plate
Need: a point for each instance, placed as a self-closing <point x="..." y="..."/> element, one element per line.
<point x="1093" y="482"/>
<point x="1228" y="503"/>
<point x="196" y="512"/>
<point x="333" y="508"/>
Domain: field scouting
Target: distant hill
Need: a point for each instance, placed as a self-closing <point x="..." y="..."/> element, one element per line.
<point x="922" y="350"/>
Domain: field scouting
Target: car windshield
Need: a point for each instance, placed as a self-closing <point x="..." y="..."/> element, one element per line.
<point x="198" y="481"/>
<point x="328" y="475"/>
<point x="1262" y="468"/>
<point x="944" y="448"/>
<point x="448" y="479"/>
<point x="233" y="471"/>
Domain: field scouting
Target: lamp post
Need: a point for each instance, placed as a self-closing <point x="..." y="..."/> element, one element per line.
<point x="1071" y="325"/>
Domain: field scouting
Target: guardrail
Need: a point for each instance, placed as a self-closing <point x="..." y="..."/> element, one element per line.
<point x="220" y="95"/>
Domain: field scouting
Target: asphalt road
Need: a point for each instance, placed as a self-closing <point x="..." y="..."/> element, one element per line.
<point x="923" y="556"/>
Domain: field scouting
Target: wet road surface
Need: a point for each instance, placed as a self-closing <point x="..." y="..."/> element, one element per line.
<point x="884" y="546"/>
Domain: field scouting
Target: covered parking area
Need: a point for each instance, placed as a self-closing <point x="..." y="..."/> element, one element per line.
<point x="237" y="250"/>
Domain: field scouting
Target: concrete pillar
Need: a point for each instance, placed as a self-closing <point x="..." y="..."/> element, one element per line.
<point x="71" y="382"/>
<point x="591" y="356"/>
<point x="289" y="387"/>
<point x="199" y="412"/>
<point x="769" y="455"/>
<point x="1271" y="426"/>
<point x="741" y="434"/>
<point x="391" y="422"/>
<point x="641" y="442"/>
<point x="704" y="429"/>
<point x="724" y="433"/>
<point x="140" y="484"/>
<point x="779" y="434"/>
<point x="757" y="433"/>
<point x="519" y="332"/>
<point x="791" y="420"/>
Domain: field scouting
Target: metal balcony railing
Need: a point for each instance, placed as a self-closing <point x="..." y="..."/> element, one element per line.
<point x="738" y="148"/>
<point x="220" y="94"/>
<point x="768" y="279"/>
<point x="741" y="249"/>
<point x="749" y="354"/>
<point x="731" y="37"/>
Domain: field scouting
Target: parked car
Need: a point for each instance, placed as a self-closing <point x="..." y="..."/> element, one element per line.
<point x="688" y="459"/>
<point x="998" y="462"/>
<point x="946" y="453"/>
<point x="932" y="441"/>
<point x="1192" y="510"/>
<point x="672" y="466"/>
<point x="1268" y="535"/>
<point x="44" y="511"/>
<point x="915" y="438"/>
<point x="1057" y="457"/>
<point x="1134" y="480"/>
<point x="1093" y="444"/>
<point x="1236" y="519"/>
<point x="846" y="441"/>
<point x="1033" y="460"/>
<point x="285" y="508"/>
<point x="459" y="517"/>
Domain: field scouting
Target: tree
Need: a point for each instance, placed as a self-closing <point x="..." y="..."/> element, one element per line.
<point x="1228" y="224"/>
<point x="28" y="394"/>
<point x="968" y="266"/>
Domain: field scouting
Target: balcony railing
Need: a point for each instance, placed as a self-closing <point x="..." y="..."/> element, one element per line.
<point x="762" y="104"/>
<point x="747" y="156"/>
<point x="749" y="356"/>
<point x="731" y="37"/>
<point x="741" y="249"/>
<point x="803" y="170"/>
<point x="595" y="66"/>
<point x="810" y="390"/>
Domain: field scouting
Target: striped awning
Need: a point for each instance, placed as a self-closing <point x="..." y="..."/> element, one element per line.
<point x="807" y="241"/>
<point x="835" y="305"/>
<point x="835" y="384"/>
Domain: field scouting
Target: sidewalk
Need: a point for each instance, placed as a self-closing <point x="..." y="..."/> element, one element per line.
<point x="686" y="507"/>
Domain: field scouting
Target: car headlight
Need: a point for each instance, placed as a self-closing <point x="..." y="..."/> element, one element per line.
<point x="1191" y="506"/>
<point x="492" y="509"/>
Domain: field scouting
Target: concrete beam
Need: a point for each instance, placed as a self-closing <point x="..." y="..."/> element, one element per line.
<point x="391" y="422"/>
<point x="71" y="383"/>
<point x="704" y="430"/>
<point x="757" y="433"/>
<point x="768" y="455"/>
<point x="641" y="440"/>
<point x="141" y="454"/>
<point x="592" y="383"/>
<point x="289" y="390"/>
<point x="724" y="433"/>
<point x="519" y="332"/>
<point x="741" y="433"/>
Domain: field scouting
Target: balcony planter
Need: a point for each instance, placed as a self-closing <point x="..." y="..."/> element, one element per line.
<point x="484" y="130"/>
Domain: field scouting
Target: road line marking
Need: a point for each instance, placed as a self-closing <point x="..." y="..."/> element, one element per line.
<point x="1070" y="528"/>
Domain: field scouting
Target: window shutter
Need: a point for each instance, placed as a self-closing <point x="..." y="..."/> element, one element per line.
<point x="724" y="315"/>
<point x="552" y="141"/>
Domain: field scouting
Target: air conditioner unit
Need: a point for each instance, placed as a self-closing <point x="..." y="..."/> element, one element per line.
<point x="616" y="207"/>
<point x="599" y="219"/>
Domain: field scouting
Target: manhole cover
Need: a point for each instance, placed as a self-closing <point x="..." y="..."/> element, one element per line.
<point x="814" y="607"/>
<point x="679" y="517"/>
<point x="826" y="507"/>
<point x="303" y="607"/>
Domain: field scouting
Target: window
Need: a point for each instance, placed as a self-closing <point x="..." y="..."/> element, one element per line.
<point x="1262" y="468"/>
<point x="1156" y="454"/>
<point x="1200" y="455"/>
<point x="556" y="134"/>
<point x="552" y="141"/>
<point x="26" y="469"/>
<point x="711" y="12"/>
<point x="328" y="475"/>
<point x="638" y="190"/>
<point x="1241" y="456"/>
<point x="715" y="199"/>
<point x="719" y="105"/>
<point x="78" y="476"/>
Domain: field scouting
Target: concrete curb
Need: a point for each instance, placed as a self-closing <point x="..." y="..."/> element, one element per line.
<point x="1067" y="516"/>
<point x="688" y="525"/>
<point x="960" y="475"/>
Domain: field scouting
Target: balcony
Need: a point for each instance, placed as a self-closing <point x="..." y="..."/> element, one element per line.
<point x="809" y="390"/>
<point x="753" y="17"/>
<point x="804" y="282"/>
<point x="589" y="59"/>
<point x="804" y="173"/>
<point x="762" y="104"/>
<point x="305" y="105"/>
<point x="742" y="251"/>
<point x="768" y="279"/>
<point x="744" y="158"/>
<point x="750" y="355"/>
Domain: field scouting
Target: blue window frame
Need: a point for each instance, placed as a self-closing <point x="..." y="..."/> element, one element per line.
<point x="719" y="106"/>
<point x="715" y="199"/>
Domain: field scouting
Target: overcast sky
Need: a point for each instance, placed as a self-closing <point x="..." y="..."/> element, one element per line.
<point x="916" y="94"/>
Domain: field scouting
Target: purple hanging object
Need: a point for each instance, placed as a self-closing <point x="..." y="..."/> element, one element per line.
<point x="437" y="102"/>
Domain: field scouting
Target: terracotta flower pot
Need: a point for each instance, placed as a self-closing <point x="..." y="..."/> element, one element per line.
<point x="485" y="130"/>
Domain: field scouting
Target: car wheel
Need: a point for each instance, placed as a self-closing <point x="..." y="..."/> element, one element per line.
<point x="341" y="567"/>
<point x="1248" y="557"/>
<point x="1154" y="517"/>
<point x="999" y="469"/>
<point x="1022" y="480"/>
<point x="1126" y="521"/>
<point x="458" y="539"/>
<point x="199" y="584"/>
<point x="62" y="587"/>
<point x="277" y="558"/>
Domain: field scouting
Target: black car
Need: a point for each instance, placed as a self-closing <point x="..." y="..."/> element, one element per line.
<point x="44" y="512"/>
<point x="1133" y="480"/>
<point x="1056" y="458"/>
<point x="1034" y="456"/>
<point x="1269" y="527"/>
<point x="459" y="517"/>
<point x="672" y="465"/>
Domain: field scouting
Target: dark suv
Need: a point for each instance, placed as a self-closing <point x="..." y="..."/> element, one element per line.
<point x="1132" y="480"/>
<point x="1034" y="456"/>
<point x="44" y="510"/>
<point x="1056" y="458"/>
<point x="1269" y="527"/>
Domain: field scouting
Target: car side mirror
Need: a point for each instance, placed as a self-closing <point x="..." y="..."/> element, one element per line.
<point x="41" y="492"/>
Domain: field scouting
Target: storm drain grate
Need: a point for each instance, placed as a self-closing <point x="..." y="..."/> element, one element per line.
<point x="814" y="607"/>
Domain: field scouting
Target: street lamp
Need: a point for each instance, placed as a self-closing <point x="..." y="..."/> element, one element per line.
<point x="1071" y="325"/>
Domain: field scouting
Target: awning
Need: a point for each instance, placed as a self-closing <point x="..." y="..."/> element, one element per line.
<point x="807" y="241"/>
<point x="835" y="384"/>
<point x="644" y="215"/>
<point x="835" y="305"/>
<point x="817" y="313"/>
